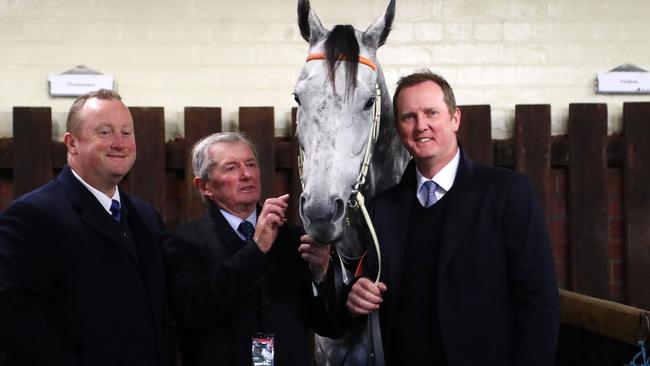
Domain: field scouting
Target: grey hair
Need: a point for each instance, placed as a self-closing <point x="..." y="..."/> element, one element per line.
<point x="202" y="162"/>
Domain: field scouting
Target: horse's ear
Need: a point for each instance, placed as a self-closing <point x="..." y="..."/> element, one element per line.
<point x="311" y="28"/>
<point x="377" y="32"/>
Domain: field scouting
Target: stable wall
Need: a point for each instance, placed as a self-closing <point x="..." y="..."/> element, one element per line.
<point x="177" y="53"/>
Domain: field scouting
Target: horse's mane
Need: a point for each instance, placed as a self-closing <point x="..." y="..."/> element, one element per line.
<point x="342" y="43"/>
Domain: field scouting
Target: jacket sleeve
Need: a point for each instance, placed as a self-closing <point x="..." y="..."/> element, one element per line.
<point x="201" y="296"/>
<point x="531" y="275"/>
<point x="28" y="267"/>
<point x="326" y="301"/>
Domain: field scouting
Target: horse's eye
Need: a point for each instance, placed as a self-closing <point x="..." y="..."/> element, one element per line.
<point x="369" y="103"/>
<point x="295" y="97"/>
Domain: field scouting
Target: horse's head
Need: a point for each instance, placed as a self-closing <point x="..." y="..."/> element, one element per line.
<point x="336" y="93"/>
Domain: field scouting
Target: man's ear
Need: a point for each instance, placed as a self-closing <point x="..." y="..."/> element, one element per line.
<point x="70" y="142"/>
<point x="200" y="184"/>
<point x="456" y="119"/>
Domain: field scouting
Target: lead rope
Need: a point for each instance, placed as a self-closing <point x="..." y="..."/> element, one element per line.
<point x="641" y="358"/>
<point x="357" y="197"/>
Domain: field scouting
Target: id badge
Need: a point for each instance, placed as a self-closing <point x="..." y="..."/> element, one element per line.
<point x="263" y="349"/>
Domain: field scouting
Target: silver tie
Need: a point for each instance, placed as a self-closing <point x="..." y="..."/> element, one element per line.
<point x="431" y="198"/>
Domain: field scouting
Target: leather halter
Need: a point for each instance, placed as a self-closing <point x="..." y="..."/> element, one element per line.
<point x="357" y="199"/>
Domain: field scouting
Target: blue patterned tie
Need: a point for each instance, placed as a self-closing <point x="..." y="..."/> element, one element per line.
<point x="430" y="193"/>
<point x="115" y="210"/>
<point x="246" y="229"/>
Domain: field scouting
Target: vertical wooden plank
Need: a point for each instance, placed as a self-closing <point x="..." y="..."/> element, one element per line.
<point x="147" y="178"/>
<point x="295" y="186"/>
<point x="258" y="124"/>
<point x="533" y="146"/>
<point x="32" y="148"/>
<point x="588" y="231"/>
<point x="475" y="133"/>
<point x="199" y="122"/>
<point x="636" y="195"/>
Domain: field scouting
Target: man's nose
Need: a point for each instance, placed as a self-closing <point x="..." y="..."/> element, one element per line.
<point x="118" y="141"/>
<point x="246" y="171"/>
<point x="420" y="123"/>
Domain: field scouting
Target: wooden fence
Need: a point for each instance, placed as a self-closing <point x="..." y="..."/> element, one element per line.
<point x="595" y="190"/>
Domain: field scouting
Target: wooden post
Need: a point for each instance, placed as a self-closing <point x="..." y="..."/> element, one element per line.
<point x="475" y="133"/>
<point x="636" y="195"/>
<point x="32" y="148"/>
<point x="258" y="124"/>
<point x="148" y="177"/>
<point x="199" y="122"/>
<point x="294" y="184"/>
<point x="533" y="146"/>
<point x="588" y="231"/>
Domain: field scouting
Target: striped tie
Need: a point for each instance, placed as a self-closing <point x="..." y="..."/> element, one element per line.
<point x="430" y="193"/>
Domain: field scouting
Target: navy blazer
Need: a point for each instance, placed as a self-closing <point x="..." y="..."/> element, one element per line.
<point x="72" y="292"/>
<point x="496" y="290"/>
<point x="224" y="290"/>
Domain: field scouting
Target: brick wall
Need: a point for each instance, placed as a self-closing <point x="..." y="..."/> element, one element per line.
<point x="176" y="53"/>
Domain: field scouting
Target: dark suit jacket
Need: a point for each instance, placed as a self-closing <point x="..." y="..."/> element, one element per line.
<point x="224" y="290"/>
<point x="496" y="291"/>
<point x="71" y="292"/>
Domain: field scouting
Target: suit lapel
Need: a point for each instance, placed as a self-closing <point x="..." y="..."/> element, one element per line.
<point x="216" y="228"/>
<point x="141" y="233"/>
<point x="460" y="211"/>
<point x="396" y="232"/>
<point x="91" y="212"/>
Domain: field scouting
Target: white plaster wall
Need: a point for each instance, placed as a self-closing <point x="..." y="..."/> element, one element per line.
<point x="227" y="53"/>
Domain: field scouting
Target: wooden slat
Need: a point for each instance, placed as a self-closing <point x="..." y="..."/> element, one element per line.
<point x="588" y="231"/>
<point x="611" y="319"/>
<point x="199" y="122"/>
<point x="296" y="188"/>
<point x="258" y="124"/>
<point x="533" y="145"/>
<point x="32" y="148"/>
<point x="636" y="132"/>
<point x="475" y="133"/>
<point x="148" y="176"/>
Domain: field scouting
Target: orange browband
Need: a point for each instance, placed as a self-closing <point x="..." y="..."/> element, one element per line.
<point x="362" y="60"/>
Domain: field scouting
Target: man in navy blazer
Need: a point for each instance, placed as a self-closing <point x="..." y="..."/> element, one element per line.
<point x="467" y="270"/>
<point x="238" y="292"/>
<point x="81" y="270"/>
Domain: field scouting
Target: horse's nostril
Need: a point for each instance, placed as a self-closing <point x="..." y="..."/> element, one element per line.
<point x="301" y="209"/>
<point x="339" y="210"/>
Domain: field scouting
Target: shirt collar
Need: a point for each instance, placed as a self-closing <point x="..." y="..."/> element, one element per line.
<point x="103" y="199"/>
<point x="445" y="177"/>
<point x="234" y="221"/>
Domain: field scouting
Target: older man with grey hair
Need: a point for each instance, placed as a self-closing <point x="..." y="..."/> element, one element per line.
<point x="239" y="290"/>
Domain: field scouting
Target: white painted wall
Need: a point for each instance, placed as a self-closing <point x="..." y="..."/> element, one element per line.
<point x="227" y="53"/>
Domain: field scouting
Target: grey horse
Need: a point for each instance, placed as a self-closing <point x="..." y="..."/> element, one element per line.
<point x="338" y="107"/>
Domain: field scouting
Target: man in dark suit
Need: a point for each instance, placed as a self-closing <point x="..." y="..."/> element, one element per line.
<point x="467" y="270"/>
<point x="238" y="285"/>
<point x="81" y="269"/>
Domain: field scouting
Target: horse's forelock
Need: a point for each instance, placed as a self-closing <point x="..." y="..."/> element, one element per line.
<point x="342" y="41"/>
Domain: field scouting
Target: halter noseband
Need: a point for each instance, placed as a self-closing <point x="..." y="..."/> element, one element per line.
<point x="356" y="197"/>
